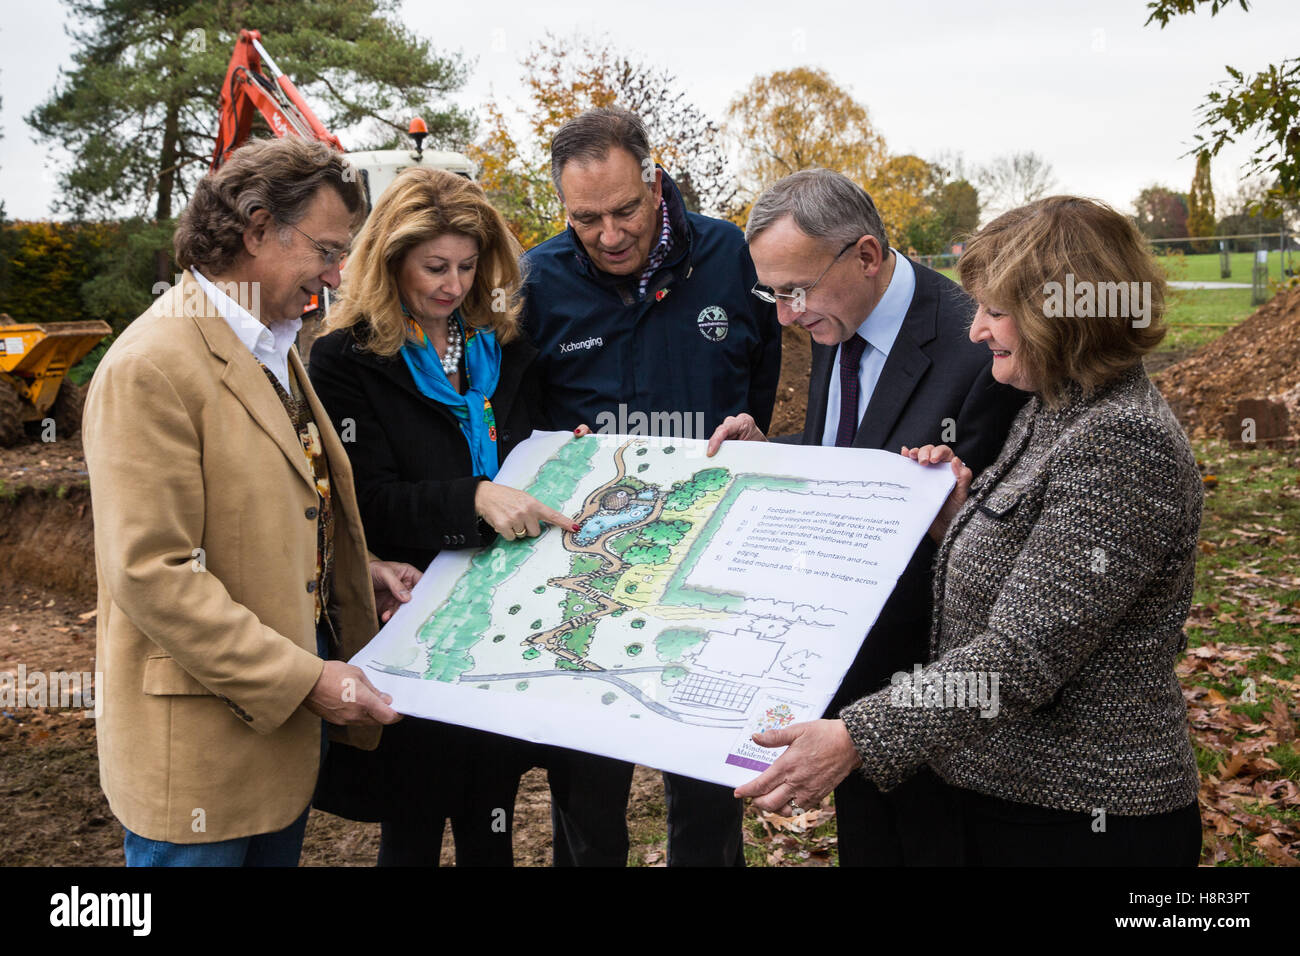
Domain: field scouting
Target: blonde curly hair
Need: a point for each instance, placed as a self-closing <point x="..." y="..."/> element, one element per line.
<point x="422" y="204"/>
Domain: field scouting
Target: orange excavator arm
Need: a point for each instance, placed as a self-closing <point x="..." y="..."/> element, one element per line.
<point x="248" y="88"/>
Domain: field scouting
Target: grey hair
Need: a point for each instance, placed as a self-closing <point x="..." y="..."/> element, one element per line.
<point x="281" y="176"/>
<point x="591" y="135"/>
<point x="825" y="205"/>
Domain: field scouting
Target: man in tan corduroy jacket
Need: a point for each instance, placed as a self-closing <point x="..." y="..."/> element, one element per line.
<point x="234" y="579"/>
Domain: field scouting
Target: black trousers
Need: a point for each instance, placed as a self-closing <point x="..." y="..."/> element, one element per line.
<point x="423" y="773"/>
<point x="925" y="822"/>
<point x="918" y="823"/>
<point x="1002" y="833"/>
<point x="482" y="839"/>
<point x="589" y="796"/>
<point x="477" y="794"/>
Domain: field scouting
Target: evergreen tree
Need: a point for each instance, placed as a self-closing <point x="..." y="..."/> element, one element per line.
<point x="138" y="108"/>
<point x="1200" y="203"/>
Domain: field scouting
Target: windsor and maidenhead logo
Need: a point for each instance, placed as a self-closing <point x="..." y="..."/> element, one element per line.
<point x="713" y="323"/>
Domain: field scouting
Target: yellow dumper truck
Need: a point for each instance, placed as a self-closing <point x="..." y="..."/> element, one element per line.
<point x="35" y="358"/>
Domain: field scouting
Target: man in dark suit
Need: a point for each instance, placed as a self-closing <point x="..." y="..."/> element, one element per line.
<point x="892" y="366"/>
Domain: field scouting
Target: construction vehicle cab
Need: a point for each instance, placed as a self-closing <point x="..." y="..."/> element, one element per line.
<point x="255" y="84"/>
<point x="379" y="167"/>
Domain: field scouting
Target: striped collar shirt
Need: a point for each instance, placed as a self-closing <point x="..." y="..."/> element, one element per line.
<point x="660" y="252"/>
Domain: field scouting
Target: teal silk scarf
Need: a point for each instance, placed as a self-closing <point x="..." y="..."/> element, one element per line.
<point x="473" y="410"/>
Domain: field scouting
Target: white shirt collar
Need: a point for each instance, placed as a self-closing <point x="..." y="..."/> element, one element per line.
<point x="270" y="345"/>
<point x="881" y="327"/>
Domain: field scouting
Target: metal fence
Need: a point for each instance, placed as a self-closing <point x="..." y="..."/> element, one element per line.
<point x="1262" y="244"/>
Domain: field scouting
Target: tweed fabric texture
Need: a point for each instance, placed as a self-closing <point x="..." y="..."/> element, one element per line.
<point x="1068" y="575"/>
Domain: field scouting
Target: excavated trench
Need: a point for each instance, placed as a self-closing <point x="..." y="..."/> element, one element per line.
<point x="47" y="540"/>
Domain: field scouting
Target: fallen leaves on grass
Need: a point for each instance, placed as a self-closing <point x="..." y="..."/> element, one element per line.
<point x="1238" y="794"/>
<point x="1271" y="847"/>
<point x="796" y="840"/>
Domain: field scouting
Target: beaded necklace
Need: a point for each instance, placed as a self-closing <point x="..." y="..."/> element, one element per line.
<point x="455" y="341"/>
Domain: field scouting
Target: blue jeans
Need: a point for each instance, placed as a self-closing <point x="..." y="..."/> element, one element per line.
<point x="281" y="848"/>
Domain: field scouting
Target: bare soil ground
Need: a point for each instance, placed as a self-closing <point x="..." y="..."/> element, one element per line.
<point x="1258" y="359"/>
<point x="792" y="390"/>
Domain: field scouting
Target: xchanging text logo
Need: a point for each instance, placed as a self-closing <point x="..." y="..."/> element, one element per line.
<point x="595" y="342"/>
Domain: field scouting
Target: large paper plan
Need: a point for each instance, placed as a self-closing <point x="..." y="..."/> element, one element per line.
<point x="702" y="600"/>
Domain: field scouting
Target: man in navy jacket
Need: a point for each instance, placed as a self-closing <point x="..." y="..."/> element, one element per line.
<point x="644" y="324"/>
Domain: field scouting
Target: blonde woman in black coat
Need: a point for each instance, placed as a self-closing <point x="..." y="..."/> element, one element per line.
<point x="428" y="380"/>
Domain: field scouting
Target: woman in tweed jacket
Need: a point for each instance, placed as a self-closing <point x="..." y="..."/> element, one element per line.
<point x="1062" y="582"/>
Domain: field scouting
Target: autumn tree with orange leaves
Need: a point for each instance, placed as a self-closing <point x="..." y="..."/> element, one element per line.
<point x="903" y="190"/>
<point x="800" y="119"/>
<point x="517" y="180"/>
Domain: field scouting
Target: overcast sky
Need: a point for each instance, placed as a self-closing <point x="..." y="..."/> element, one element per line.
<point x="1111" y="104"/>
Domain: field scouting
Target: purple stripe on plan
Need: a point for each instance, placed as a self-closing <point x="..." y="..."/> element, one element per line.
<point x="745" y="762"/>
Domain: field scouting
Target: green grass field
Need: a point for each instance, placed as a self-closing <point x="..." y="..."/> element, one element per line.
<point x="1198" y="316"/>
<point x="1205" y="268"/>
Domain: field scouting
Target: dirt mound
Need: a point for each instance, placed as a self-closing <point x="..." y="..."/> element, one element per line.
<point x="1259" y="359"/>
<point x="47" y="539"/>
<point x="792" y="391"/>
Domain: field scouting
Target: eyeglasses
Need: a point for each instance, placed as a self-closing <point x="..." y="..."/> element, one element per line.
<point x="768" y="294"/>
<point x="332" y="257"/>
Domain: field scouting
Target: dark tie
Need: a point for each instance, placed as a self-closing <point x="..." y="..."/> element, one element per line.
<point x="850" y="362"/>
